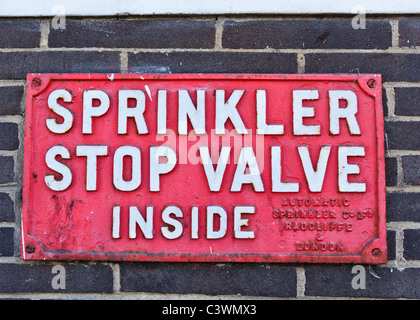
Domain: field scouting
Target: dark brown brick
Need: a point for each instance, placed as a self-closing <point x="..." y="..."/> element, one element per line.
<point x="385" y="102"/>
<point x="9" y="136"/>
<point x="7" y="213"/>
<point x="381" y="282"/>
<point x="154" y="33"/>
<point x="409" y="30"/>
<point x="393" y="67"/>
<point x="407" y="101"/>
<point x="403" y="135"/>
<point x="391" y="171"/>
<point x="305" y="34"/>
<point x="10" y="100"/>
<point x="16" y="65"/>
<point x="209" y="62"/>
<point x="6" y="242"/>
<point x="20" y="33"/>
<point x="411" y="169"/>
<point x="7" y="173"/>
<point x="411" y="244"/>
<point x="80" y="278"/>
<point x="403" y="206"/>
<point x="202" y="278"/>
<point x="391" y="244"/>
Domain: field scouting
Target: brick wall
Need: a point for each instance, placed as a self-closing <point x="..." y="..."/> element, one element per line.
<point x="389" y="45"/>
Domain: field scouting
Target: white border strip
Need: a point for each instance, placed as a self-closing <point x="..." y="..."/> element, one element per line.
<point x="48" y="8"/>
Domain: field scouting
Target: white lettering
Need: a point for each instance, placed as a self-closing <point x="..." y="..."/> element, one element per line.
<point x="157" y="168"/>
<point x="196" y="115"/>
<point x="50" y="181"/>
<point x="90" y="111"/>
<point x="262" y="126"/>
<point x="348" y="113"/>
<point x="136" y="219"/>
<point x="344" y="169"/>
<point x="161" y="112"/>
<point x="116" y="222"/>
<point x="166" y="217"/>
<point x="277" y="184"/>
<point x="211" y="212"/>
<point x="315" y="178"/>
<point x="300" y="112"/>
<point x="91" y="153"/>
<point x="118" y="180"/>
<point x="194" y="223"/>
<point x="227" y="110"/>
<point x="67" y="116"/>
<point x="214" y="177"/>
<point x="246" y="160"/>
<point x="239" y="222"/>
<point x="135" y="112"/>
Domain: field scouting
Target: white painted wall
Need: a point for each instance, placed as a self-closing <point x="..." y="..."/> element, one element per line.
<point x="41" y="8"/>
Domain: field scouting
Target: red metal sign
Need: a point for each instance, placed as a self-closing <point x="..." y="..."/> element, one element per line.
<point x="204" y="167"/>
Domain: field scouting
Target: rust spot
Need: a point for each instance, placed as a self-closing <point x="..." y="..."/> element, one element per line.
<point x="323" y="37"/>
<point x="57" y="203"/>
<point x="69" y="210"/>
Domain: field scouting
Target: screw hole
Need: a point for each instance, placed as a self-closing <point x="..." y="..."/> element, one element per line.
<point x="30" y="248"/>
<point x="371" y="83"/>
<point x="376" y="252"/>
<point x="36" y="82"/>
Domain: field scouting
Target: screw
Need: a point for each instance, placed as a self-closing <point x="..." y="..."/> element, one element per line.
<point x="371" y="83"/>
<point x="30" y="248"/>
<point x="36" y="82"/>
<point x="376" y="252"/>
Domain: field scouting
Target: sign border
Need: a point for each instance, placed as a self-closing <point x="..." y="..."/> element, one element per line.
<point x="36" y="83"/>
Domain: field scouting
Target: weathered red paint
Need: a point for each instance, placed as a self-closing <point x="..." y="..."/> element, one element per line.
<point x="322" y="227"/>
